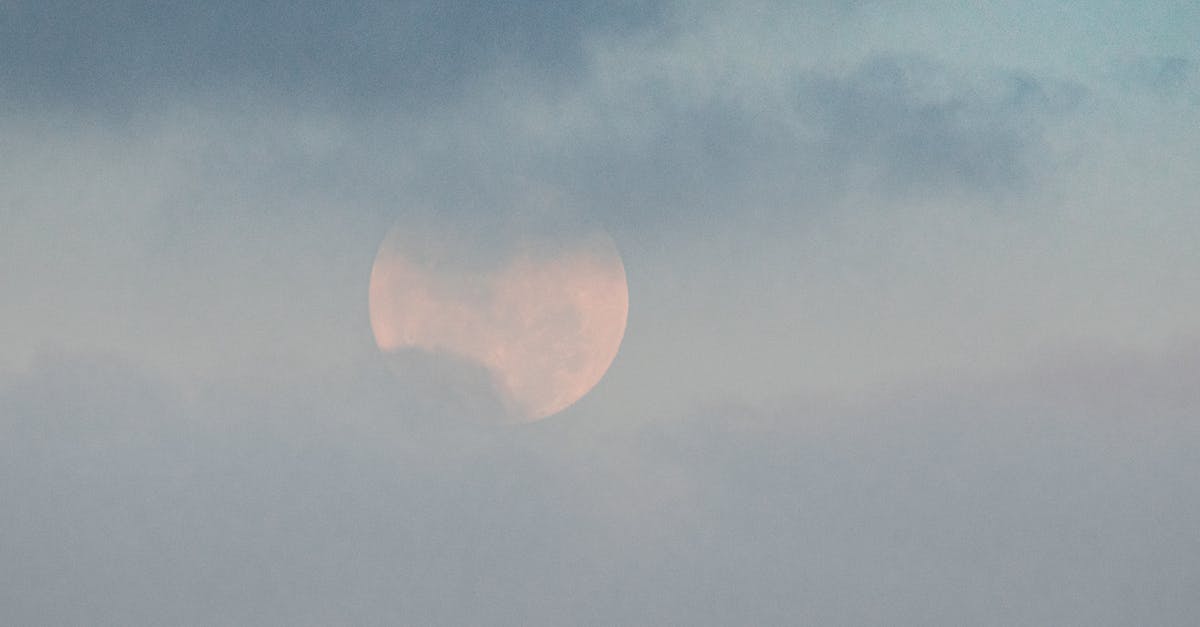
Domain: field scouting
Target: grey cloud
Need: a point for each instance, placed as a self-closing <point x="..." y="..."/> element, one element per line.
<point x="1008" y="503"/>
<point x="1164" y="76"/>
<point x="247" y="458"/>
<point x="894" y="128"/>
<point x="896" y="118"/>
<point x="648" y="158"/>
<point x="649" y="153"/>
<point x="113" y="55"/>
<point x="1015" y="503"/>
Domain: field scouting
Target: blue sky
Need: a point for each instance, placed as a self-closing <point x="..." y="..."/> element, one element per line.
<point x="912" y="333"/>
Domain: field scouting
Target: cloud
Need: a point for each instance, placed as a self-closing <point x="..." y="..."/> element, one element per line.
<point x="192" y="196"/>
<point x="1016" y="502"/>
<point x="675" y="150"/>
<point x="1164" y="76"/>
<point x="364" y="52"/>
<point x="912" y="127"/>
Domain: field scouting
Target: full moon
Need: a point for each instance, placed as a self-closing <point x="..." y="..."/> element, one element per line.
<point x="543" y="315"/>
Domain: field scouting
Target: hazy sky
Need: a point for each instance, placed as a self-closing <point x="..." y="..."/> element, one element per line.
<point x="914" y="327"/>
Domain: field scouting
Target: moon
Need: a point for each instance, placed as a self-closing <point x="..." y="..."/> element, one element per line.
<point x="543" y="315"/>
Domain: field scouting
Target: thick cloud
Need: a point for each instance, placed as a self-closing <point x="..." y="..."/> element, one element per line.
<point x="892" y="128"/>
<point x="1165" y="76"/>
<point x="362" y="53"/>
<point x="852" y="234"/>
<point x="1064" y="497"/>
<point x="319" y="101"/>
<point x="916" y="128"/>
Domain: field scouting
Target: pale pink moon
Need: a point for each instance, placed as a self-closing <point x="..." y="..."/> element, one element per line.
<point x="545" y="321"/>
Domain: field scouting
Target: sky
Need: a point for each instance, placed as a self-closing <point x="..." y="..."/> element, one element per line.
<point x="913" y="333"/>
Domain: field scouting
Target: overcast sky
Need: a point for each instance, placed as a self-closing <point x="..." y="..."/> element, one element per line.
<point x="914" y="328"/>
